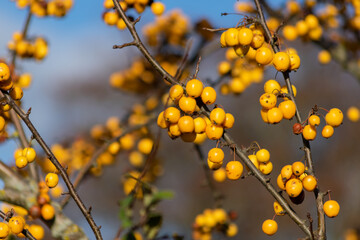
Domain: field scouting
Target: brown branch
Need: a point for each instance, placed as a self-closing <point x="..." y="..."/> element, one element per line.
<point x="138" y="43"/>
<point x="321" y="232"/>
<point x="92" y="162"/>
<point x="25" y="118"/>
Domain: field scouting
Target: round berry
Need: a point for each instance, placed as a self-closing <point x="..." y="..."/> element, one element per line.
<point x="324" y="57"/>
<point x="278" y="209"/>
<point x="289" y="33"/>
<point x="231" y="37"/>
<point x="218" y="116"/>
<point x="258" y="39"/>
<point x="309" y="132"/>
<point x="263" y="155"/>
<point x="327" y="131"/>
<point x="280" y="182"/>
<point x="16" y="224"/>
<point x="157" y="8"/>
<point x="272" y="86"/>
<point x="29" y="153"/>
<point x="309" y="182"/>
<point x="186" y="124"/>
<point x="334" y="117"/>
<point x="268" y="100"/>
<point x="311" y="21"/>
<point x="176" y="92"/>
<point x="241" y="51"/>
<point x="4" y="230"/>
<point x="145" y="145"/>
<point x="353" y="114"/>
<point x="194" y="88"/>
<point x="213" y="165"/>
<point x="232" y="230"/>
<point x="208" y="95"/>
<point x="298" y="168"/>
<point x="234" y="170"/>
<point x="214" y="132"/>
<point x="216" y="155"/>
<point x="161" y="122"/>
<point x="294" y="61"/>
<point x="264" y="116"/>
<point x="37" y="231"/>
<point x="187" y="104"/>
<point x="222" y="40"/>
<point x="16" y="93"/>
<point x="254" y="160"/>
<point x="266" y="168"/>
<point x="314" y="120"/>
<point x="331" y="208"/>
<point x="51" y="179"/>
<point x="264" y="56"/>
<point x="288" y="109"/>
<point x="219" y="175"/>
<point x="294" y="187"/>
<point x="199" y="125"/>
<point x="172" y="115"/>
<point x="274" y="115"/>
<point x="281" y="61"/>
<point x="269" y="227"/>
<point x="21" y="162"/>
<point x="4" y="72"/>
<point x="286" y="172"/>
<point x="245" y="36"/>
<point x="229" y="121"/>
<point x="47" y="212"/>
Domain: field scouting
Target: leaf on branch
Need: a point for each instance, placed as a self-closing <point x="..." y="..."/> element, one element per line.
<point x="156" y="197"/>
<point x="125" y="212"/>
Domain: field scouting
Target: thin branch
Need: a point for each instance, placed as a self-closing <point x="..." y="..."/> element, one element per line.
<point x="25" y="118"/>
<point x="84" y="170"/>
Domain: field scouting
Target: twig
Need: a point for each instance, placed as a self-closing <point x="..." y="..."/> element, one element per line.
<point x="82" y="173"/>
<point x="56" y="163"/>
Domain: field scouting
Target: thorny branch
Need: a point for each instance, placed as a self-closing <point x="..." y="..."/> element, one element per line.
<point x="265" y="181"/>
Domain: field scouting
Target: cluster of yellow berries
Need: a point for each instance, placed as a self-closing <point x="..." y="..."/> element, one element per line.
<point x="309" y="28"/>
<point x="293" y="180"/>
<point x="333" y="118"/>
<point x="243" y="71"/>
<point x="137" y="78"/>
<point x="24" y="156"/>
<point x="25" y="48"/>
<point x="269" y="112"/>
<point x="16" y="225"/>
<point x="171" y="28"/>
<point x="112" y="18"/>
<point x="261" y="160"/>
<point x="179" y="119"/>
<point x="42" y="8"/>
<point x="43" y="208"/>
<point x="213" y="220"/>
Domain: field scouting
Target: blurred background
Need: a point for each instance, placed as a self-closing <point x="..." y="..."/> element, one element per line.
<point x="70" y="93"/>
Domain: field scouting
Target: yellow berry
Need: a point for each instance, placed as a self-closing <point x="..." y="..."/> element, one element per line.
<point x="311" y="21"/>
<point x="21" y="162"/>
<point x="186" y="124"/>
<point x="29" y="153"/>
<point x="263" y="155"/>
<point x="172" y="115"/>
<point x="254" y="160"/>
<point x="234" y="170"/>
<point x="334" y="117"/>
<point x="136" y="159"/>
<point x="2" y="123"/>
<point x="161" y="122"/>
<point x="4" y="230"/>
<point x="288" y="109"/>
<point x="289" y="33"/>
<point x="145" y="145"/>
<point x="286" y="172"/>
<point x="187" y="104"/>
<point x="216" y="155"/>
<point x="309" y="132"/>
<point x="213" y="165"/>
<point x="51" y="180"/>
<point x="214" y="132"/>
<point x="280" y="182"/>
<point x="302" y="28"/>
<point x="4" y="72"/>
<point x="222" y="40"/>
<point x="268" y="100"/>
<point x="294" y="187"/>
<point x="47" y="212"/>
<point x="258" y="39"/>
<point x="229" y="121"/>
<point x="298" y="168"/>
<point x="281" y="61"/>
<point x="231" y="37"/>
<point x="199" y="125"/>
<point x="324" y="57"/>
<point x="241" y="51"/>
<point x="327" y="131"/>
<point x="217" y="116"/>
<point x="231" y="230"/>
<point x="176" y="92"/>
<point x="194" y="88"/>
<point x="294" y="61"/>
<point x="16" y="224"/>
<point x="219" y="175"/>
<point x="274" y="115"/>
<point x="264" y="56"/>
<point x="278" y="209"/>
<point x="309" y="182"/>
<point x="111" y="18"/>
<point x="224" y="67"/>
<point x="353" y="114"/>
<point x="157" y="8"/>
<point x="272" y="86"/>
<point x="269" y="227"/>
<point x="245" y="36"/>
<point x="314" y="120"/>
<point x="37" y="231"/>
<point x="16" y="93"/>
<point x="266" y="168"/>
<point x="208" y="95"/>
<point x="331" y="208"/>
